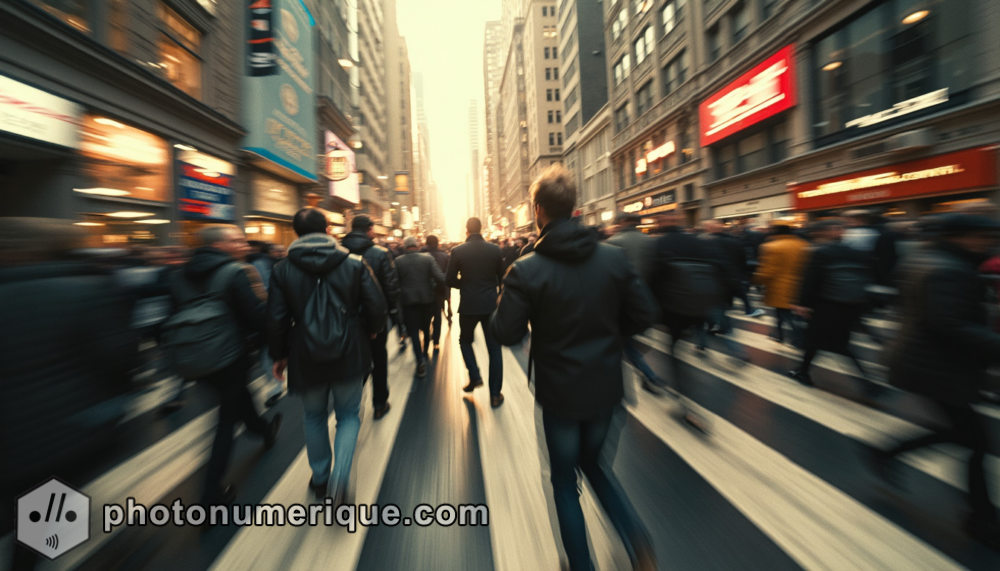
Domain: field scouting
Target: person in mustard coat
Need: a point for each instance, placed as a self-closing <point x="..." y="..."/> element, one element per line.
<point x="782" y="262"/>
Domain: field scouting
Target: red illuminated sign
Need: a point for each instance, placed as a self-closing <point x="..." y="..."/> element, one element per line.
<point x="955" y="172"/>
<point x="763" y="92"/>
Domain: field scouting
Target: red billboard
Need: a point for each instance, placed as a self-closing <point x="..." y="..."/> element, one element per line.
<point x="943" y="174"/>
<point x="762" y="92"/>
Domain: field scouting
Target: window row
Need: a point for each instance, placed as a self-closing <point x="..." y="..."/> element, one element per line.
<point x="548" y="11"/>
<point x="555" y="139"/>
<point x="549" y="32"/>
<point x="551" y="53"/>
<point x="551" y="73"/>
<point x="756" y="149"/>
<point x="555" y="116"/>
<point x="552" y="94"/>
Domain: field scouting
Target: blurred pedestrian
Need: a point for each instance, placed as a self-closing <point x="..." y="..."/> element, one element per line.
<point x="262" y="258"/>
<point x="476" y="269"/>
<point x="325" y="307"/>
<point x="442" y="298"/>
<point x="944" y="348"/>
<point x="781" y="264"/>
<point x="361" y="241"/>
<point x="419" y="279"/>
<point x="529" y="247"/>
<point x="730" y="258"/>
<point x="582" y="300"/>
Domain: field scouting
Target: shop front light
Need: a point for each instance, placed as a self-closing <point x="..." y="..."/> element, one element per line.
<point x="103" y="191"/>
<point x="108" y="122"/>
<point x="185" y="147"/>
<point x="153" y="221"/>
<point x="916" y="17"/>
<point x="87" y="224"/>
<point x="832" y="65"/>
<point x="252" y="230"/>
<point x="128" y="214"/>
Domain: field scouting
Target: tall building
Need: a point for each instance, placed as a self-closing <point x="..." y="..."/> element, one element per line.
<point x="426" y="196"/>
<point x="372" y="148"/>
<point x="399" y="120"/>
<point x="493" y="61"/>
<point x="476" y="198"/>
<point x="512" y="124"/>
<point x="543" y="88"/>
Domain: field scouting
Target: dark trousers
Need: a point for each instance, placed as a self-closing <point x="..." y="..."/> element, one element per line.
<point x="967" y="429"/>
<point x="235" y="404"/>
<point x="380" y="369"/>
<point x="467" y="336"/>
<point x="437" y="320"/>
<point x="786" y="316"/>
<point x="572" y="444"/>
<point x="418" y="318"/>
<point x="744" y="295"/>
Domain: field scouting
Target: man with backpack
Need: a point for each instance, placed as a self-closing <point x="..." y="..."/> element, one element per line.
<point x="419" y="279"/>
<point x="833" y="297"/>
<point x="219" y="305"/>
<point x="323" y="309"/>
<point x="361" y="241"/>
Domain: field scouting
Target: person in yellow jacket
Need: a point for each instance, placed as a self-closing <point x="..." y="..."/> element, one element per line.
<point x="782" y="261"/>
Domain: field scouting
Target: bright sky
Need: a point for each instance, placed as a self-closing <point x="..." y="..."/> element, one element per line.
<point x="445" y="39"/>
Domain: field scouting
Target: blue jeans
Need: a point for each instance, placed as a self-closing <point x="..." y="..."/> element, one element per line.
<point x="346" y="405"/>
<point x="466" y="336"/>
<point x="634" y="356"/>
<point x="575" y="443"/>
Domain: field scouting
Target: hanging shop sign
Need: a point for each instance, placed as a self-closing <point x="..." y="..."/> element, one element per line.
<point x="777" y="203"/>
<point x="904" y="108"/>
<point x="943" y="174"/>
<point x="38" y="115"/>
<point x="341" y="169"/>
<point x="661" y="152"/>
<point x="279" y="87"/>
<point x="763" y="92"/>
<point x="274" y="196"/>
<point x="205" y="186"/>
<point x="653" y="204"/>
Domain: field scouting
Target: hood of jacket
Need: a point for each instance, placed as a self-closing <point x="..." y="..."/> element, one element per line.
<point x="357" y="242"/>
<point x="565" y="239"/>
<point x="205" y="261"/>
<point x="316" y="253"/>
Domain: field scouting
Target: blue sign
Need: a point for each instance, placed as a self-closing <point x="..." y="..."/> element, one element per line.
<point x="205" y="195"/>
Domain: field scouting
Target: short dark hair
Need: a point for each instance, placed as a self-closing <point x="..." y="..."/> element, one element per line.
<point x="555" y="192"/>
<point x="309" y="221"/>
<point x="432" y="242"/>
<point x="782" y="229"/>
<point x="474" y="225"/>
<point x="361" y="222"/>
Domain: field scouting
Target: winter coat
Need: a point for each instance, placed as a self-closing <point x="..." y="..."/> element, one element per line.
<point x="293" y="280"/>
<point x="476" y="270"/>
<point x="780" y="266"/>
<point x="831" y="323"/>
<point x="419" y="278"/>
<point x="944" y="345"/>
<point x="582" y="299"/>
<point x="639" y="249"/>
<point x="674" y="243"/>
<point x="381" y="261"/>
<point x="442" y="259"/>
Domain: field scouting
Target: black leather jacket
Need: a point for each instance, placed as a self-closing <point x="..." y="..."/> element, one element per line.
<point x="476" y="270"/>
<point x="380" y="261"/>
<point x="419" y="278"/>
<point x="583" y="300"/>
<point x="293" y="280"/>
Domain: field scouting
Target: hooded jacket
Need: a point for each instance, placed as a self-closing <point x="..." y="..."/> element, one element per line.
<point x="582" y="299"/>
<point x="293" y="280"/>
<point x="245" y="294"/>
<point x="380" y="261"/>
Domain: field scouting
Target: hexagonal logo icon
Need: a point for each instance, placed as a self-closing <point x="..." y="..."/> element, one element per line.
<point x="53" y="518"/>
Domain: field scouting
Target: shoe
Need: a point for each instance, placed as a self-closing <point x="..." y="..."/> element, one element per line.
<point x="381" y="410"/>
<point x="496" y="400"/>
<point x="272" y="400"/>
<point x="422" y="369"/>
<point x="696" y="421"/>
<point x="757" y="313"/>
<point x="644" y="558"/>
<point x="473" y="384"/>
<point x="172" y="406"/>
<point x="226" y="497"/>
<point x="776" y="339"/>
<point x="701" y="352"/>
<point x="803" y="378"/>
<point x="272" y="431"/>
<point x="985" y="532"/>
<point x="319" y="490"/>
<point x="885" y="467"/>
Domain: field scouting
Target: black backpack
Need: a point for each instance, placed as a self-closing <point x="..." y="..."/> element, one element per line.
<point x="329" y="327"/>
<point x="691" y="287"/>
<point x="847" y="282"/>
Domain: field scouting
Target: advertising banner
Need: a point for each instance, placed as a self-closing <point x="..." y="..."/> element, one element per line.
<point x="38" y="115"/>
<point x="341" y="169"/>
<point x="205" y="187"/>
<point x="279" y="87"/>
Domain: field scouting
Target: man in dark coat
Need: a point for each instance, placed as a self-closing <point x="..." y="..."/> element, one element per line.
<point x="583" y="300"/>
<point x="419" y="279"/>
<point x="833" y="311"/>
<point x="442" y="296"/>
<point x="361" y="241"/>
<point x="316" y="257"/>
<point x="944" y="348"/>
<point x="476" y="270"/>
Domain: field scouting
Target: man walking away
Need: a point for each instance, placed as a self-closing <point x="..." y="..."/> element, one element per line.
<point x="325" y="306"/>
<point x="216" y="273"/>
<point x="782" y="260"/>
<point x="639" y="249"/>
<point x="361" y="241"/>
<point x="419" y="278"/>
<point x="442" y="295"/>
<point x="834" y="296"/>
<point x="476" y="270"/>
<point x="944" y="348"/>
<point x="583" y="300"/>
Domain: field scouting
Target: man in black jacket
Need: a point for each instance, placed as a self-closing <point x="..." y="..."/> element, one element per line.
<point x="583" y="300"/>
<point x="223" y="245"/>
<point x="316" y="257"/>
<point x="476" y="270"/>
<point x="419" y="278"/>
<point x="361" y="241"/>
<point x="442" y="296"/>
<point x="944" y="348"/>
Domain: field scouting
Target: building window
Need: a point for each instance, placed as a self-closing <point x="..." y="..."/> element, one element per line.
<point x="548" y="74"/>
<point x="641" y="6"/>
<point x="179" y="45"/>
<point x="548" y="52"/>
<point x="622" y="69"/>
<point x="751" y="152"/>
<point x="644" y="45"/>
<point x="675" y="73"/>
<point x="572" y="124"/>
<point x="739" y="19"/>
<point x="548" y="95"/>
<point x="555" y="53"/>
<point x="545" y="10"/>
<point x="571" y="98"/>
<point x="558" y="138"/>
<point x="552" y="139"/>
<point x="685" y="150"/>
<point x="621" y="118"/>
<point x="672" y="13"/>
<point x="556" y="90"/>
<point x="118" y="26"/>
<point x="549" y="32"/>
<point x="119" y="156"/>
<point x="714" y="43"/>
<point x="555" y="73"/>
<point x="558" y="116"/>
<point x="619" y="25"/>
<point x="892" y="54"/>
<point x="767" y="8"/>
<point x="570" y="73"/>
<point x="644" y="99"/>
<point x="72" y="12"/>
<point x="552" y="117"/>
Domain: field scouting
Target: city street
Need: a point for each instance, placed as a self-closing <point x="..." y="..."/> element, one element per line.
<point x="781" y="483"/>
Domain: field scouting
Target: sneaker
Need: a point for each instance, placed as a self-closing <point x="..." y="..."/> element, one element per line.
<point x="803" y="378"/>
<point x="473" y="384"/>
<point x="422" y="369"/>
<point x="318" y="490"/>
<point x="757" y="313"/>
<point x="272" y="431"/>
